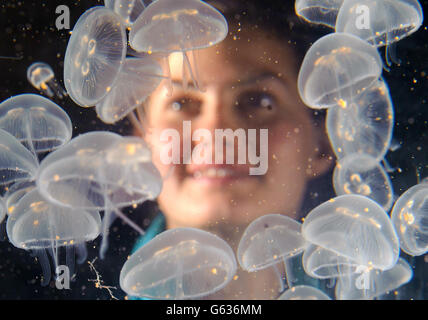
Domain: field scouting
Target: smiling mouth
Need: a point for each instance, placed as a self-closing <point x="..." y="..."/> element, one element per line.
<point x="218" y="174"/>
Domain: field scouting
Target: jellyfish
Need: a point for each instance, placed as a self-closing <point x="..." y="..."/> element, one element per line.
<point x="410" y="218"/>
<point x="110" y="171"/>
<point x="128" y="10"/>
<point x="17" y="163"/>
<point x="42" y="77"/>
<point x="363" y="125"/>
<point x="349" y="234"/>
<point x="380" y="22"/>
<point x="381" y="282"/>
<point x="269" y="240"/>
<point x="94" y="56"/>
<point x="2" y="209"/>
<point x="41" y="227"/>
<point x="137" y="80"/>
<point x="336" y="69"/>
<point x="37" y="122"/>
<point x="181" y="263"/>
<point x="303" y="293"/>
<point x="319" y="12"/>
<point x="16" y="192"/>
<point x="168" y="26"/>
<point x="362" y="174"/>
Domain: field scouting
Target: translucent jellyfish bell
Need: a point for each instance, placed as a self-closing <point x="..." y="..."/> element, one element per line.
<point x="168" y="26"/>
<point x="356" y="228"/>
<point x="38" y="123"/>
<point x="16" y="192"/>
<point x="303" y="293"/>
<point x="362" y="174"/>
<point x="17" y="163"/>
<point x="2" y="209"/>
<point x="39" y="225"/>
<point x="319" y="11"/>
<point x="379" y="282"/>
<point x="42" y="77"/>
<point x="94" y="57"/>
<point x="410" y="217"/>
<point x="269" y="240"/>
<point x="138" y="78"/>
<point x="129" y="10"/>
<point x="363" y="125"/>
<point x="183" y="263"/>
<point x="380" y="22"/>
<point x="336" y="69"/>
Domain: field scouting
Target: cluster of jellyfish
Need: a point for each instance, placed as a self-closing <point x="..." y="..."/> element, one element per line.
<point x="54" y="188"/>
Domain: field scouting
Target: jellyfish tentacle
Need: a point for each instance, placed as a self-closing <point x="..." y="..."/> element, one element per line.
<point x="29" y="135"/>
<point x="280" y="278"/>
<point x="288" y="266"/>
<point x="185" y="79"/>
<point x="168" y="74"/>
<point x="70" y="258"/>
<point x="44" y="263"/>
<point x="128" y="221"/>
<point x="82" y="253"/>
<point x="195" y="59"/>
<point x="189" y="69"/>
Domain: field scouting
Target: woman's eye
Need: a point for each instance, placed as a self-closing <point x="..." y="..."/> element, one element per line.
<point x="256" y="100"/>
<point x="185" y="104"/>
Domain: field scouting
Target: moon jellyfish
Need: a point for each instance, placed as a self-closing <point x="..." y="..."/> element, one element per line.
<point x="364" y="125"/>
<point x="108" y="170"/>
<point x="269" y="240"/>
<point x="354" y="228"/>
<point x="183" y="263"/>
<point x="378" y="282"/>
<point x="42" y="77"/>
<point x="17" y="163"/>
<point x="410" y="217"/>
<point x="94" y="56"/>
<point x="37" y="122"/>
<point x="168" y="26"/>
<point x="128" y="10"/>
<point x="2" y="209"/>
<point x="303" y="293"/>
<point x="362" y="174"/>
<point x="41" y="226"/>
<point x="380" y="22"/>
<point x="319" y="11"/>
<point x="137" y="80"/>
<point x="336" y="69"/>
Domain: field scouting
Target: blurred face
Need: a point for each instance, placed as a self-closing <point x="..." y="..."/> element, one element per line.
<point x="249" y="83"/>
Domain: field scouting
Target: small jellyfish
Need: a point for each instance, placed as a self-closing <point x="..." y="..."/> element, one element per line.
<point x="42" y="77"/>
<point x="128" y="10"/>
<point x="319" y="11"/>
<point x="2" y="209"/>
<point x="41" y="226"/>
<point x="37" y="122"/>
<point x="379" y="282"/>
<point x="168" y="26"/>
<point x="362" y="174"/>
<point x="269" y="240"/>
<point x="182" y="263"/>
<point x="363" y="125"/>
<point x="108" y="170"/>
<point x="17" y="163"/>
<point x="337" y="68"/>
<point x="138" y="78"/>
<point x="354" y="228"/>
<point x="380" y="22"/>
<point x="303" y="293"/>
<point x="94" y="56"/>
<point x="410" y="217"/>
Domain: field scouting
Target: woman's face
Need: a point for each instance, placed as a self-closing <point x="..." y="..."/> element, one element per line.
<point x="249" y="82"/>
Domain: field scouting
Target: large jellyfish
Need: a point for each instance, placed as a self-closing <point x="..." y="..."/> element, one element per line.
<point x="94" y="56"/>
<point x="336" y="69"/>
<point x="363" y="125"/>
<point x="138" y="78"/>
<point x="168" y="26"/>
<point x="410" y="217"/>
<point x="183" y="263"/>
<point x="129" y="10"/>
<point x="41" y="226"/>
<point x="303" y="293"/>
<point x="42" y="77"/>
<point x="350" y="233"/>
<point x="362" y="174"/>
<point x="269" y="240"/>
<point x="37" y="122"/>
<point x="319" y="11"/>
<point x="17" y="163"/>
<point x="110" y="172"/>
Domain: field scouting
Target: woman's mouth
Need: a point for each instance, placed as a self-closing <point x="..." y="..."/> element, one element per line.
<point x="217" y="174"/>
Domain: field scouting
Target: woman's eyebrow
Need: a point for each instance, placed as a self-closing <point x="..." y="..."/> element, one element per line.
<point x="261" y="77"/>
